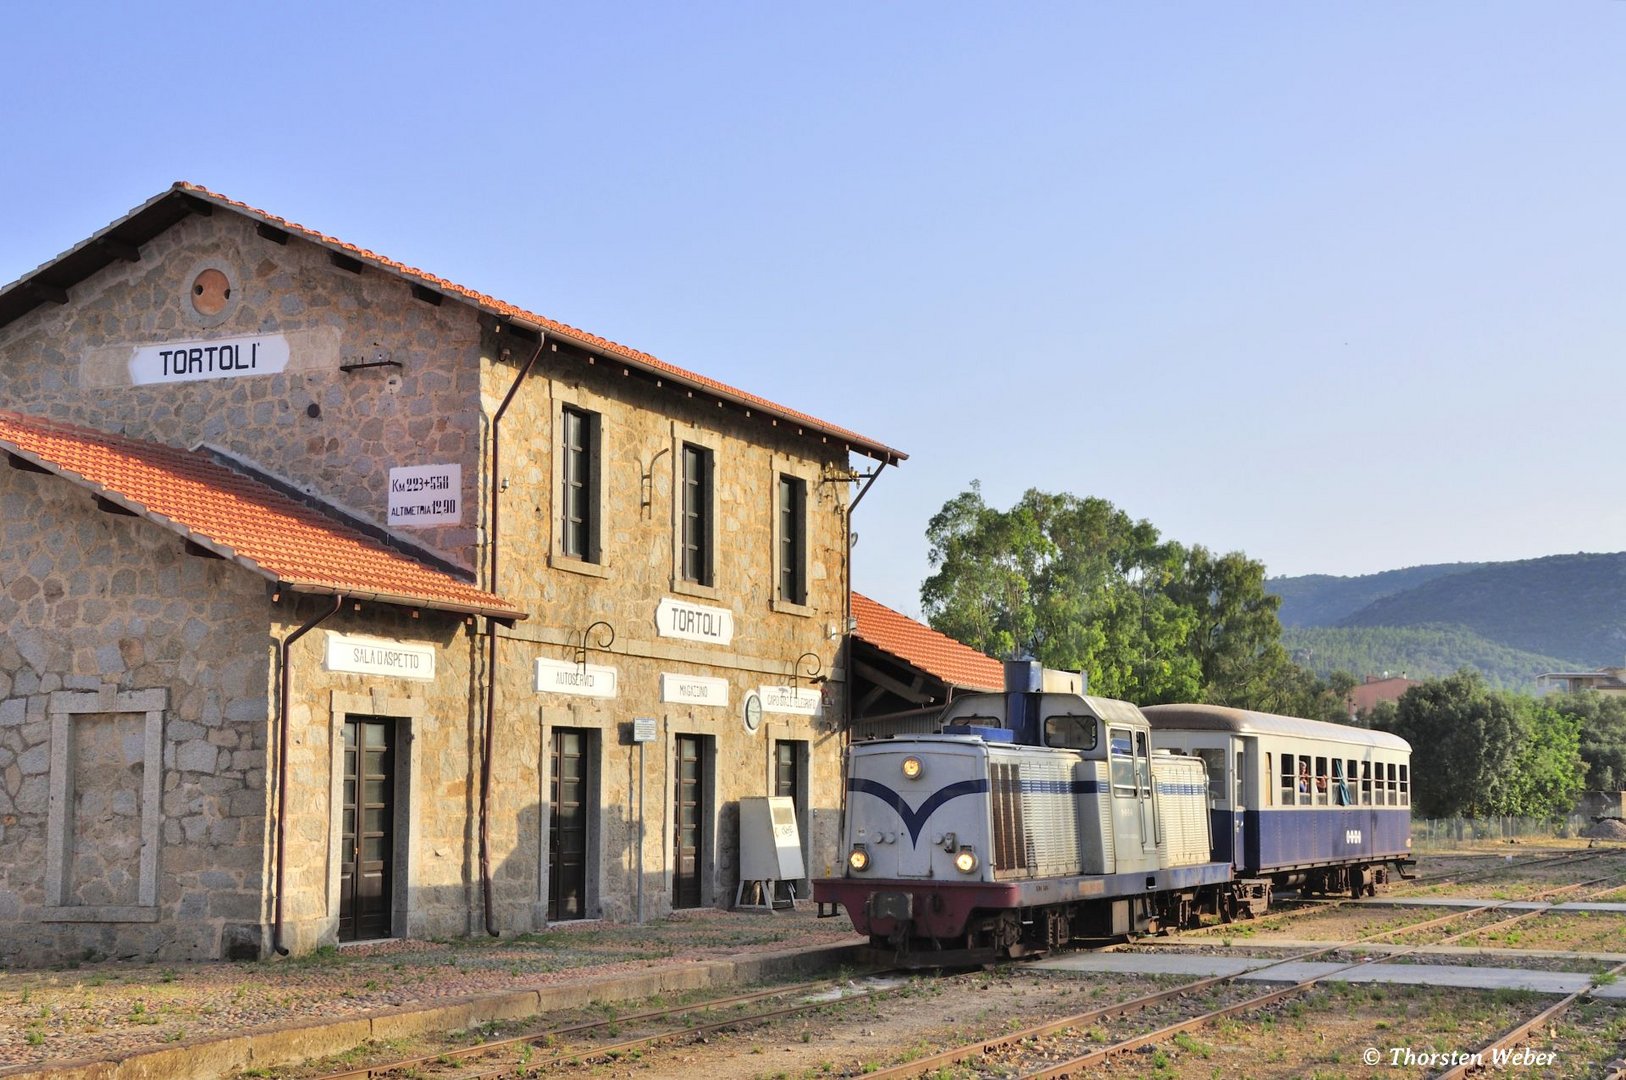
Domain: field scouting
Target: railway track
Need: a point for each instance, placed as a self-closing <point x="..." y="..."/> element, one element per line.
<point x="519" y="1055"/>
<point x="539" y="1051"/>
<point x="1018" y="1047"/>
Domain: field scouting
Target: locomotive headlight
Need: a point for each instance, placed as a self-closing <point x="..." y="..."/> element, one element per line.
<point x="859" y="858"/>
<point x="912" y="768"/>
<point x="966" y="861"/>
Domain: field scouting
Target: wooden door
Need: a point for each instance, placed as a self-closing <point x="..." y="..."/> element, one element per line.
<point x="366" y="870"/>
<point x="567" y="826"/>
<point x="688" y="832"/>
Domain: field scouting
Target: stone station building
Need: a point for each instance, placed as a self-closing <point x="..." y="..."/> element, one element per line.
<point x="343" y="602"/>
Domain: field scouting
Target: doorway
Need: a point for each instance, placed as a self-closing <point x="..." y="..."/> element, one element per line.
<point x="688" y="821"/>
<point x="567" y="824"/>
<point x="367" y="847"/>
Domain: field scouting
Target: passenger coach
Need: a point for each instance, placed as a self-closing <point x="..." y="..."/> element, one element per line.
<point x="1298" y="802"/>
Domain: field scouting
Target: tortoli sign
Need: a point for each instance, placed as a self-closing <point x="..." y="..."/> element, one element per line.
<point x="194" y="361"/>
<point x="694" y="622"/>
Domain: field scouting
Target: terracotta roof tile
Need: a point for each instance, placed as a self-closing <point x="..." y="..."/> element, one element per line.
<point x="934" y="653"/>
<point x="239" y="518"/>
<point x="604" y="345"/>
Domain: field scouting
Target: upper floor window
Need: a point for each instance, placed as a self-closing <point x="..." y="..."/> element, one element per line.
<point x="696" y="526"/>
<point x="792" y="539"/>
<point x="579" y="460"/>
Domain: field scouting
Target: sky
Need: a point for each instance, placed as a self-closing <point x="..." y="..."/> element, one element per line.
<point x="1339" y="285"/>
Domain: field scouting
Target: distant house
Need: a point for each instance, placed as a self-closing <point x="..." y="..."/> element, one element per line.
<point x="1377" y="688"/>
<point x="1610" y="680"/>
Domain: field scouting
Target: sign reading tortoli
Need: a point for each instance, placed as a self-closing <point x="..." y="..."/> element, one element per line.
<point x="375" y="656"/>
<point x="790" y="699"/>
<point x="694" y="622"/>
<point x="191" y="361"/>
<point x="426" y="495"/>
<point x="694" y="690"/>
<point x="563" y="677"/>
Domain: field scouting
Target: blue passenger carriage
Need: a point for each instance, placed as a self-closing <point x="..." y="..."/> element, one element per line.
<point x="1322" y="807"/>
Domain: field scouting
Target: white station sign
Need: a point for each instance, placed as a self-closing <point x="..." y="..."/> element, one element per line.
<point x="694" y="622"/>
<point x="694" y="690"/>
<point x="375" y="656"/>
<point x="426" y="495"/>
<point x="563" y="677"/>
<point x="790" y="699"/>
<point x="193" y="361"/>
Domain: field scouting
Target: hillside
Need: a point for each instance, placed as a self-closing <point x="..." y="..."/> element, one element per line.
<point x="1420" y="652"/>
<point x="1325" y="600"/>
<point x="1563" y="605"/>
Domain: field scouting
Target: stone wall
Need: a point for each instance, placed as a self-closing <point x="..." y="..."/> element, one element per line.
<point x="134" y="695"/>
<point x="317" y="426"/>
<point x="337" y="434"/>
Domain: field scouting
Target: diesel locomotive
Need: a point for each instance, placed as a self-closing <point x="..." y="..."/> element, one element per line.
<point x="1035" y="818"/>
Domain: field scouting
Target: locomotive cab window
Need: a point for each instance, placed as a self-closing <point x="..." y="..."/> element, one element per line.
<point x="1123" y="761"/>
<point x="1070" y="732"/>
<point x="1143" y="765"/>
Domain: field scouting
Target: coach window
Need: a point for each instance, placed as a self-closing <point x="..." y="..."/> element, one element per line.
<point x="1394" y="786"/>
<point x="1366" y="783"/>
<point x="1270" y="792"/>
<point x="1304" y="780"/>
<point x="1215" y="760"/>
<point x="1287" y="780"/>
<point x="1340" y="790"/>
<point x="1070" y="732"/>
<point x="1321" y="781"/>
<point x="1123" y="762"/>
<point x="1405" y="787"/>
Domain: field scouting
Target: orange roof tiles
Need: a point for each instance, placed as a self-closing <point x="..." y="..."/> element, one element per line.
<point x="934" y="653"/>
<point x="239" y="518"/>
<point x="858" y="442"/>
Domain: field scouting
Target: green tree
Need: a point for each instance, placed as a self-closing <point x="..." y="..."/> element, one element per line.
<point x="1080" y="585"/>
<point x="1548" y="774"/>
<point x="1463" y="742"/>
<point x="1603" y="736"/>
<point x="1480" y="753"/>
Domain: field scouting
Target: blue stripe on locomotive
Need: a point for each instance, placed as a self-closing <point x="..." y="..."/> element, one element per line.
<point x="1313" y="836"/>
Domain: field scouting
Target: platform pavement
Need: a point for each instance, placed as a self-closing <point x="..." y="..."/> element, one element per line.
<point x="1248" y="969"/>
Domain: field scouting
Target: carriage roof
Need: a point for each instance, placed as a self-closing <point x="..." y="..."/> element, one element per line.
<point x="1248" y="722"/>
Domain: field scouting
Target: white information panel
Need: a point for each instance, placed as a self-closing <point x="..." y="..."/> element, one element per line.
<point x="375" y="656"/>
<point x="694" y="690"/>
<point x="694" y="622"/>
<point x="192" y="361"/>
<point x="563" y="677"/>
<point x="426" y="495"/>
<point x="790" y="699"/>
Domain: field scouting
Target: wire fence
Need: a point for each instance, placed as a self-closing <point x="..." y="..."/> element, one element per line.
<point x="1440" y="833"/>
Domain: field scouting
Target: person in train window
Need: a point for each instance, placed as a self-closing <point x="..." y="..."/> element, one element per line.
<point x="1304" y="776"/>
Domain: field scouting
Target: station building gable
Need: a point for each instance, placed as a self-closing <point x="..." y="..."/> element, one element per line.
<point x="657" y="555"/>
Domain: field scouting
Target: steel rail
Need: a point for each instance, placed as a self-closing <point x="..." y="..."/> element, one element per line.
<point x="1514" y="1035"/>
<point x="480" y="1049"/>
<point x="954" y="1055"/>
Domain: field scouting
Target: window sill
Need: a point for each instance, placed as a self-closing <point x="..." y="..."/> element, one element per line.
<point x="691" y="588"/>
<point x="578" y="566"/>
<point x="785" y="607"/>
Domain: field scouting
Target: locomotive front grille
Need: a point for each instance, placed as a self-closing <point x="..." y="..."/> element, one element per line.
<point x="1010" y="832"/>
